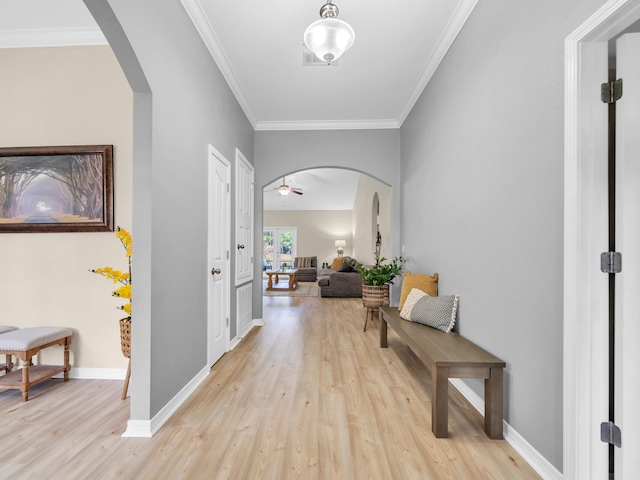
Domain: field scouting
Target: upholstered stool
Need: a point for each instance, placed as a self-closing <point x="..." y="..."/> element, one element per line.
<point x="9" y="365"/>
<point x="24" y="344"/>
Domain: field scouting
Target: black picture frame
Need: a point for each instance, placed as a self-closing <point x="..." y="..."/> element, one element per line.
<point x="56" y="189"/>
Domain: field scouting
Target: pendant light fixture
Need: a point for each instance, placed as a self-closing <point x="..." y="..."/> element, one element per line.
<point x="328" y="38"/>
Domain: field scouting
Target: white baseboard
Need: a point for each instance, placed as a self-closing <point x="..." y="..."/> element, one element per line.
<point x="138" y="429"/>
<point x="98" y="373"/>
<point x="246" y="331"/>
<point x="540" y="464"/>
<point x="234" y="343"/>
<point x="258" y="322"/>
<point x="147" y="428"/>
<point x="95" y="373"/>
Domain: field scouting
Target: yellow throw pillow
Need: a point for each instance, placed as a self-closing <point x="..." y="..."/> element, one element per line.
<point x="427" y="284"/>
<point x="337" y="263"/>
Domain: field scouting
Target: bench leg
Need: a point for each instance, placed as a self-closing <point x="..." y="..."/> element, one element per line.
<point x="440" y="402"/>
<point x="25" y="385"/>
<point x="67" y="365"/>
<point x="383" y="330"/>
<point x="493" y="404"/>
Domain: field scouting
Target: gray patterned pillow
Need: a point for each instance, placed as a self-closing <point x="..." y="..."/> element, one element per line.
<point x="436" y="312"/>
<point x="414" y="296"/>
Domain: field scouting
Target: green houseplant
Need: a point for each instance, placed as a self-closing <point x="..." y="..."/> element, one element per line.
<point x="380" y="273"/>
<point x="376" y="280"/>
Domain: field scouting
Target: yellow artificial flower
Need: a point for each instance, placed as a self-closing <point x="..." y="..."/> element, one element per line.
<point x="124" y="292"/>
<point x="119" y="276"/>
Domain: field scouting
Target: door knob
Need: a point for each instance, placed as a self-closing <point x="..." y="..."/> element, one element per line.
<point x="215" y="271"/>
<point x="240" y="246"/>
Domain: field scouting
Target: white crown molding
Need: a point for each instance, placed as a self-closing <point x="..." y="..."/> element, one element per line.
<point x="203" y="26"/>
<point x="60" y="37"/>
<point x="329" y="125"/>
<point x="457" y="21"/>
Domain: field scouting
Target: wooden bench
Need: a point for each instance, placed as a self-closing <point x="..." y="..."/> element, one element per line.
<point x="24" y="343"/>
<point x="8" y="366"/>
<point x="450" y="356"/>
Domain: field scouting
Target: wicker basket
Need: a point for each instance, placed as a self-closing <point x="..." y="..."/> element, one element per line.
<point x="125" y="336"/>
<point x="374" y="296"/>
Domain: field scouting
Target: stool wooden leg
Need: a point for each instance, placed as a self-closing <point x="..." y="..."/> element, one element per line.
<point x="67" y="365"/>
<point x="365" y="320"/>
<point x="126" y="381"/>
<point x="24" y="387"/>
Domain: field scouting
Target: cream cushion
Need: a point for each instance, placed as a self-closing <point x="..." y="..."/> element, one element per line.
<point x="32" y="337"/>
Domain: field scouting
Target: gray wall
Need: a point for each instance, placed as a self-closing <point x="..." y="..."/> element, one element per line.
<point x="184" y="105"/>
<point x="374" y="152"/>
<point x="482" y="183"/>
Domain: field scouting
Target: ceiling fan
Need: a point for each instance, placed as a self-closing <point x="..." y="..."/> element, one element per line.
<point x="285" y="189"/>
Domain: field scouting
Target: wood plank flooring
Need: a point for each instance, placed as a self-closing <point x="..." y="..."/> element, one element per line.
<point x="307" y="396"/>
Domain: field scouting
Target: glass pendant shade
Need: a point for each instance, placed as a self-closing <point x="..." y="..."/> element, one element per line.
<point x="329" y="38"/>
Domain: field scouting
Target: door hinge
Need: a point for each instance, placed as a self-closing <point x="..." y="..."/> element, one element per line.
<point x="611" y="262"/>
<point x="227" y="321"/>
<point x="610" y="433"/>
<point x="611" y="92"/>
<point x="228" y="187"/>
<point x="227" y="254"/>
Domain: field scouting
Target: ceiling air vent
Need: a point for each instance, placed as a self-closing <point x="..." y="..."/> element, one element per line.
<point x="310" y="60"/>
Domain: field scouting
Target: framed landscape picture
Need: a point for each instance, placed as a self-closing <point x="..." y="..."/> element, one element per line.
<point x="56" y="189"/>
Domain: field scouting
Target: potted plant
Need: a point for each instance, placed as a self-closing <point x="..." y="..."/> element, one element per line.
<point x="377" y="278"/>
<point x="124" y="291"/>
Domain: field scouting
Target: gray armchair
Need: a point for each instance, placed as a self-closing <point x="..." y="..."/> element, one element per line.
<point x="308" y="272"/>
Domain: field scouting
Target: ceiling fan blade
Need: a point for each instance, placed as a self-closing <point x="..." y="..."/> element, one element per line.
<point x="296" y="190"/>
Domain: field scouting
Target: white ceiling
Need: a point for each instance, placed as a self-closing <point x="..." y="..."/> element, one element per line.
<point x="258" y="46"/>
<point x="323" y="189"/>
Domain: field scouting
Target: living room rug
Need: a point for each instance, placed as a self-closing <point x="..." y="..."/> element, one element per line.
<point x="305" y="289"/>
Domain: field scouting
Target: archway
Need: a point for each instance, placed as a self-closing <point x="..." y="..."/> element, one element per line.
<point x="320" y="219"/>
<point x="140" y="388"/>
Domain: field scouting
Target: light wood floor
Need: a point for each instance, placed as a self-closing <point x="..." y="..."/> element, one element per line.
<point x="308" y="395"/>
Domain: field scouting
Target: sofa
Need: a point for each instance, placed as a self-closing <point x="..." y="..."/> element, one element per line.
<point x="341" y="282"/>
<point x="308" y="272"/>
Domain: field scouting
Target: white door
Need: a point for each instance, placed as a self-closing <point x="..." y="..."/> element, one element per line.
<point x="244" y="219"/>
<point x="627" y="329"/>
<point x="218" y="253"/>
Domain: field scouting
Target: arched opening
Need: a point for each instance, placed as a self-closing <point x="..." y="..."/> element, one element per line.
<point x="325" y="213"/>
<point x="375" y="224"/>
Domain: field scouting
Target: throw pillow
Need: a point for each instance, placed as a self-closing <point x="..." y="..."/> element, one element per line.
<point x="337" y="263"/>
<point x="303" y="262"/>
<point x="427" y="284"/>
<point x="413" y="297"/>
<point x="347" y="265"/>
<point x="436" y="312"/>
